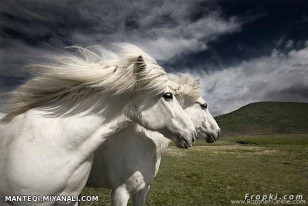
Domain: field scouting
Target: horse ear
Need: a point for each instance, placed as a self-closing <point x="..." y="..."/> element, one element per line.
<point x="140" y="64"/>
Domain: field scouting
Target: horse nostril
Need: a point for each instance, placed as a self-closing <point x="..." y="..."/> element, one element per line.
<point x="218" y="134"/>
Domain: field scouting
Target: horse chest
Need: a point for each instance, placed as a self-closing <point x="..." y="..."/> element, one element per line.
<point x="78" y="178"/>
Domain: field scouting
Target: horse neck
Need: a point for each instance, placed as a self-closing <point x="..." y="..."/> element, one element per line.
<point x="67" y="132"/>
<point x="158" y="139"/>
<point x="82" y="125"/>
<point x="136" y="133"/>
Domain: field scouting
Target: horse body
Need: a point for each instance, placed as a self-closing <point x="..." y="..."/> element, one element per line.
<point x="60" y="117"/>
<point x="47" y="156"/>
<point x="128" y="162"/>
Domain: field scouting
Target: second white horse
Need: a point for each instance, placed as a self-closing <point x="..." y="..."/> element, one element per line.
<point x="128" y="162"/>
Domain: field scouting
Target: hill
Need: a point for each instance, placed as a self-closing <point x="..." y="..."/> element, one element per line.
<point x="266" y="118"/>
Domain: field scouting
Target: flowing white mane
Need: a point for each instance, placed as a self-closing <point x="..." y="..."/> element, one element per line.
<point x="70" y="84"/>
<point x="189" y="89"/>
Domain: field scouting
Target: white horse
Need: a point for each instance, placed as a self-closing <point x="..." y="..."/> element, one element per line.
<point x="62" y="115"/>
<point x="128" y="162"/>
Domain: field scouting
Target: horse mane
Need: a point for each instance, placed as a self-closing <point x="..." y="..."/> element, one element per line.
<point x="79" y="79"/>
<point x="189" y="89"/>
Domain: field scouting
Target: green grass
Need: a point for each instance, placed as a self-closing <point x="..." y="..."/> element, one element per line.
<point x="214" y="174"/>
<point x="264" y="140"/>
<point x="266" y="118"/>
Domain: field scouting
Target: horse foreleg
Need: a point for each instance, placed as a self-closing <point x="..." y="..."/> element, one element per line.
<point x="120" y="196"/>
<point x="140" y="197"/>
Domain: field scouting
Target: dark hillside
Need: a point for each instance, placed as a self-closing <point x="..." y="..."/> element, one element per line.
<point x="266" y="118"/>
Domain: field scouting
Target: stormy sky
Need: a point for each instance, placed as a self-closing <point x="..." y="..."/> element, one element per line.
<point x="243" y="50"/>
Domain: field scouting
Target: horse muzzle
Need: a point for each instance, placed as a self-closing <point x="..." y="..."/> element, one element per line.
<point x="210" y="138"/>
<point x="182" y="142"/>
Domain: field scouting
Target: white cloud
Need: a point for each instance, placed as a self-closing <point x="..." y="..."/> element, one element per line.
<point x="280" y="41"/>
<point x="278" y="77"/>
<point x="164" y="30"/>
<point x="187" y="38"/>
<point x="289" y="44"/>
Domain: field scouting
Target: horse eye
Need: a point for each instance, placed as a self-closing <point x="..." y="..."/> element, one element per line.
<point x="168" y="96"/>
<point x="203" y="106"/>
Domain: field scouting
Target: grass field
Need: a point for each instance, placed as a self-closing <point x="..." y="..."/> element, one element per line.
<point x="215" y="174"/>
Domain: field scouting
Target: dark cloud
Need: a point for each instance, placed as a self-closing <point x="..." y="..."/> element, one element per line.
<point x="164" y="28"/>
<point x="293" y="93"/>
<point x="223" y="41"/>
<point x="31" y="29"/>
<point x="157" y="25"/>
